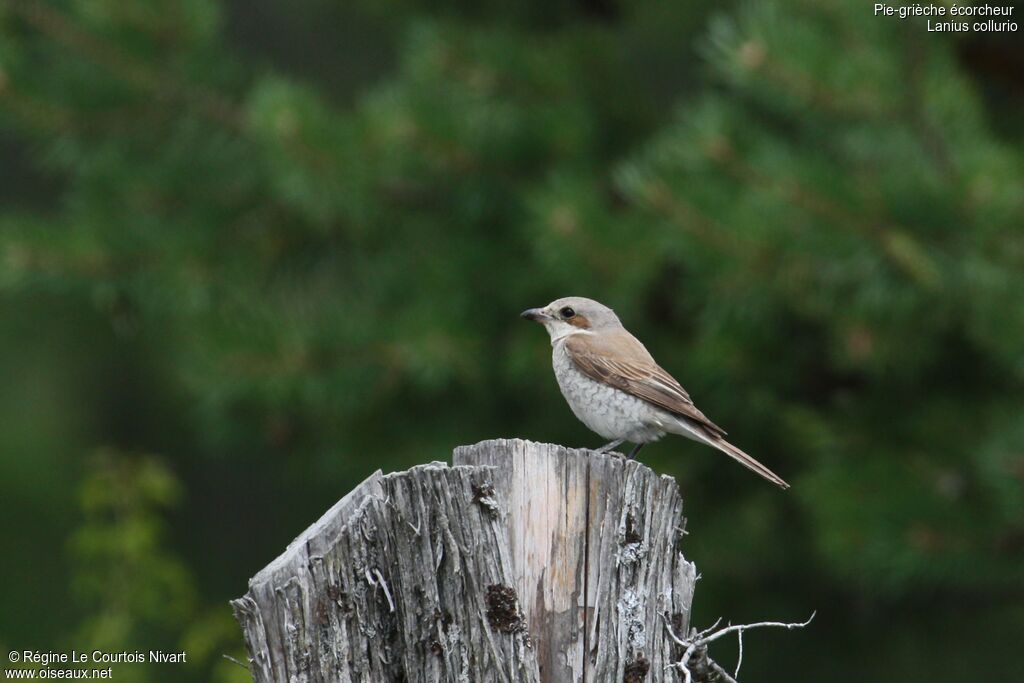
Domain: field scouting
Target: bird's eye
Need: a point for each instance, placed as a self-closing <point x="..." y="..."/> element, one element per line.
<point x="567" y="313"/>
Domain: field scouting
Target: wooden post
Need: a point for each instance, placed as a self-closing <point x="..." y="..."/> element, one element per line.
<point x="522" y="563"/>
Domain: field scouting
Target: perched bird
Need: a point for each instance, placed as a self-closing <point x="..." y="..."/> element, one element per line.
<point x="616" y="389"/>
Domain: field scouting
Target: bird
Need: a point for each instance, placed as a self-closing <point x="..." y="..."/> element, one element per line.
<point x="614" y="386"/>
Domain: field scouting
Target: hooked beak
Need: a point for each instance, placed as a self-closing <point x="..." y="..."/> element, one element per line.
<point x="535" y="314"/>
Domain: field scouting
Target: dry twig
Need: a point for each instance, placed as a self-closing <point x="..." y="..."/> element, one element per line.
<point x="703" y="638"/>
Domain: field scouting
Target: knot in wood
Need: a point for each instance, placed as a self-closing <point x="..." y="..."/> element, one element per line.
<point x="503" y="609"/>
<point x="636" y="671"/>
<point x="483" y="495"/>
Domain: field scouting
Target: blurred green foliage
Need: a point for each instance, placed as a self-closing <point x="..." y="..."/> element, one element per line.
<point x="281" y="245"/>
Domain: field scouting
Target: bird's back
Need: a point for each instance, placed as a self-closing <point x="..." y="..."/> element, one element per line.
<point x="619" y="359"/>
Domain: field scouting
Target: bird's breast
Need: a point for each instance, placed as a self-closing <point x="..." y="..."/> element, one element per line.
<point x="608" y="411"/>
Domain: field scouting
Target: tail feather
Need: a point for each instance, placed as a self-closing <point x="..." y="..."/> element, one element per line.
<point x="748" y="462"/>
<point x="692" y="430"/>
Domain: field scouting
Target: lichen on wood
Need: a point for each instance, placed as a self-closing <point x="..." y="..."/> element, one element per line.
<point x="522" y="563"/>
<point x="389" y="586"/>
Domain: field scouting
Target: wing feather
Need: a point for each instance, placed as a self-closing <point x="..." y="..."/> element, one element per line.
<point x="621" y="361"/>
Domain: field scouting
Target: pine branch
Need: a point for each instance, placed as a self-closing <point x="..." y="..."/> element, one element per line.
<point x="160" y="84"/>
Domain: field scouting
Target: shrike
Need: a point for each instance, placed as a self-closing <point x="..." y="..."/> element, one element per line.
<point x="616" y="389"/>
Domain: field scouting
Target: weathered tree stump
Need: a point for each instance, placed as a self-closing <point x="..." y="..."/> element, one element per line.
<point x="523" y="562"/>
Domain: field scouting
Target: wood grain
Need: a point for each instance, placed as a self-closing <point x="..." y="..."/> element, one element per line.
<point x="523" y="562"/>
<point x="595" y="540"/>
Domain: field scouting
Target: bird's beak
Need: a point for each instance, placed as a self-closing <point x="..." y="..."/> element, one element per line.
<point x="535" y="314"/>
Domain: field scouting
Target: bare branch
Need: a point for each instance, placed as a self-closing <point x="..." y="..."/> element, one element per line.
<point x="716" y="667"/>
<point x="745" y="627"/>
<point x="232" y="659"/>
<point x="703" y="638"/>
<point x="739" y="659"/>
<point x="709" y="629"/>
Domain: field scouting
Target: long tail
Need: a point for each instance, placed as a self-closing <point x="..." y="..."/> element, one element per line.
<point x="689" y="429"/>
<point x="747" y="461"/>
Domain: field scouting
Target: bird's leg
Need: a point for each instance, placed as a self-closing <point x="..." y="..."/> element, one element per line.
<point x="610" y="445"/>
<point x="636" y="449"/>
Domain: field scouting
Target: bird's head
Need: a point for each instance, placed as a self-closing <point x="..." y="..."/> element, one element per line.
<point x="572" y="315"/>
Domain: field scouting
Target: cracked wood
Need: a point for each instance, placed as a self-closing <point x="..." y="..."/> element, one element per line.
<point x="524" y="562"/>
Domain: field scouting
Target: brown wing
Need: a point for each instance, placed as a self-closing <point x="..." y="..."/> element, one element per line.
<point x="619" y="359"/>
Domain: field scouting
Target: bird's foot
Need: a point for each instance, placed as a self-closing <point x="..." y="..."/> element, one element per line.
<point x="636" y="449"/>
<point x="610" y="445"/>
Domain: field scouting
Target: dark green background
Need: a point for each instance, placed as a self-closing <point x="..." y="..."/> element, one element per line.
<point x="252" y="251"/>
